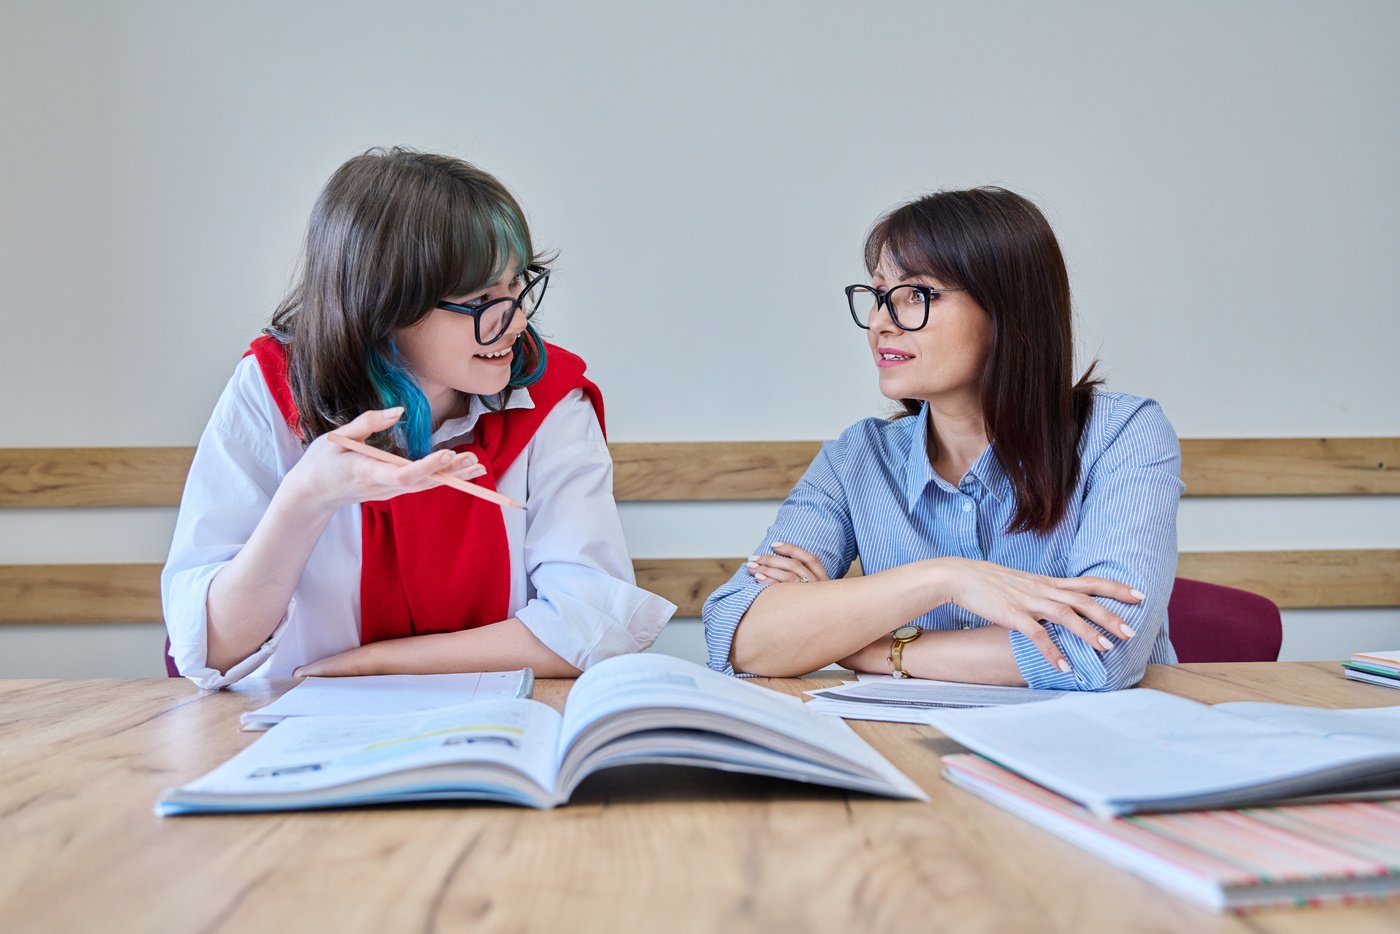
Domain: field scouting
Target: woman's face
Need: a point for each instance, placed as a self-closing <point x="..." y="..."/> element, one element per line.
<point x="941" y="361"/>
<point x="442" y="351"/>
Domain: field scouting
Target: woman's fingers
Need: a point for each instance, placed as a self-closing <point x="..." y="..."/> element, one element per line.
<point x="367" y="423"/>
<point x="1100" y="587"/>
<point x="1034" y="631"/>
<point x="780" y="569"/>
<point x="775" y="570"/>
<point x="1098" y="614"/>
<point x="815" y="569"/>
<point x="1069" y="619"/>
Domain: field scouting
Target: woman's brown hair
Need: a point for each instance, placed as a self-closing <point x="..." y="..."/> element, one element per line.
<point x="392" y="233"/>
<point x="999" y="247"/>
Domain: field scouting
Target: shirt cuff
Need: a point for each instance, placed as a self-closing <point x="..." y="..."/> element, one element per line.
<point x="584" y="634"/>
<point x="189" y="648"/>
<point x="722" y="615"/>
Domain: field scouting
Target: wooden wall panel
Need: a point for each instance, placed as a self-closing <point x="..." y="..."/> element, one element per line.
<point x="715" y="470"/>
<point x="84" y="593"/>
<point x="47" y="477"/>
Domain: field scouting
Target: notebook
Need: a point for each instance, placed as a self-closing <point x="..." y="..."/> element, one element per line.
<point x="1381" y="668"/>
<point x="1125" y="752"/>
<point x="1231" y="859"/>
<point x="384" y="694"/>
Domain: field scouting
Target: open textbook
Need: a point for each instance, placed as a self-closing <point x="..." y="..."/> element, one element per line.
<point x="1143" y="750"/>
<point x="628" y="710"/>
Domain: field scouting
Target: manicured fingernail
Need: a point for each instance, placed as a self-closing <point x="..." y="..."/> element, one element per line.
<point x="753" y="558"/>
<point x="779" y="545"/>
<point x="445" y="456"/>
<point x="1103" y="641"/>
<point x="1139" y="594"/>
<point x="753" y="564"/>
<point x="1063" y="666"/>
<point x="394" y="412"/>
<point x="760" y="577"/>
<point x="477" y="472"/>
<point x="1127" y="630"/>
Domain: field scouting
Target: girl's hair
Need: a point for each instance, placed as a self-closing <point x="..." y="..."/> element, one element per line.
<point x="998" y="246"/>
<point x="392" y="233"/>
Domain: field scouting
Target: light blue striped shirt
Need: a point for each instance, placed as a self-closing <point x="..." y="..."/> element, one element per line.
<point x="872" y="493"/>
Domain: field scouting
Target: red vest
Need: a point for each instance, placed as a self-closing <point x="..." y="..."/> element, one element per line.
<point x="438" y="561"/>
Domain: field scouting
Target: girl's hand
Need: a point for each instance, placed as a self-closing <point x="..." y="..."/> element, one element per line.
<point x="1020" y="601"/>
<point x="788" y="563"/>
<point x="331" y="477"/>
<point x="361" y="660"/>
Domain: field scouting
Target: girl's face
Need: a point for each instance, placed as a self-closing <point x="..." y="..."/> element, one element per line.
<point x="442" y="350"/>
<point x="944" y="359"/>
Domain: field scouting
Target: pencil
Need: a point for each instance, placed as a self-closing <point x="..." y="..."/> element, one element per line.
<point x="350" y="444"/>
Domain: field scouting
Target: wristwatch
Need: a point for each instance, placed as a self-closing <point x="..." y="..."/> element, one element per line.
<point x="900" y="638"/>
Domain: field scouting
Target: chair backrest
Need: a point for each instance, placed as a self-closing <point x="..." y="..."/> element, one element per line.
<point x="1213" y="623"/>
<point x="170" y="669"/>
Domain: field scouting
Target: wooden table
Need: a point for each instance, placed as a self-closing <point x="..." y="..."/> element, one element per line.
<point x="638" y="849"/>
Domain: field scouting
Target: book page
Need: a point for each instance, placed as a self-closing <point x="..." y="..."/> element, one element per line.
<point x="310" y="753"/>
<point x="1143" y="745"/>
<point x="1381" y="724"/>
<point x="648" y="681"/>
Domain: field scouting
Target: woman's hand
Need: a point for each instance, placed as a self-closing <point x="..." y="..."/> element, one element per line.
<point x="330" y="477"/>
<point x="361" y="660"/>
<point x="788" y="563"/>
<point x="1020" y="601"/>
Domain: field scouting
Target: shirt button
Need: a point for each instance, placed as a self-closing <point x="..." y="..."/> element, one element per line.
<point x="967" y="505"/>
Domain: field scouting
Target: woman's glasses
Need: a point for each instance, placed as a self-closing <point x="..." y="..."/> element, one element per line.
<point x="493" y="318"/>
<point x="907" y="304"/>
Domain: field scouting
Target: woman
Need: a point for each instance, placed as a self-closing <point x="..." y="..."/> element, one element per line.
<point x="409" y="329"/>
<point x="1022" y="522"/>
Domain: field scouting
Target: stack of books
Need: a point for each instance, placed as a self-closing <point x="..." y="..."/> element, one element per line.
<point x="1381" y="668"/>
<point x="1234" y="806"/>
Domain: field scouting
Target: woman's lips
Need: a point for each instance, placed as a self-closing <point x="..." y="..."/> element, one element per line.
<point x="504" y="359"/>
<point x="891" y="356"/>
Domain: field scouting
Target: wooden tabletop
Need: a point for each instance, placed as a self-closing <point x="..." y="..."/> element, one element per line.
<point x="81" y="763"/>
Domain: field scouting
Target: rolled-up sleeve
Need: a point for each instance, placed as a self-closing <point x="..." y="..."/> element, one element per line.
<point x="230" y="484"/>
<point x="1126" y="533"/>
<point x="583" y="603"/>
<point x="815" y="516"/>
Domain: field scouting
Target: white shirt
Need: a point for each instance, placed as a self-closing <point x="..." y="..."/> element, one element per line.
<point x="571" y="580"/>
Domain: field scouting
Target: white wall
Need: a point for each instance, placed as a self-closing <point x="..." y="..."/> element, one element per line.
<point x="1221" y="175"/>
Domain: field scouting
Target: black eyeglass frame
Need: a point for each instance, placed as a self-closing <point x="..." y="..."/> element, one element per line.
<point x="882" y="297"/>
<point x="517" y="303"/>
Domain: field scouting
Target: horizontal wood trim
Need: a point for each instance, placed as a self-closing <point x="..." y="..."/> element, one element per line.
<point x="80" y="593"/>
<point x="48" y="477"/>
<point x="124" y="593"/>
<point x="1290" y="466"/>
<point x="718" y="470"/>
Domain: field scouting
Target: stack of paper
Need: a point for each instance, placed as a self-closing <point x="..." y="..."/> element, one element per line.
<point x="1381" y="668"/>
<point x="908" y="700"/>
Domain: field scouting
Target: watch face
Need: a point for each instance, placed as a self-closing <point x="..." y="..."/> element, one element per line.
<point x="905" y="633"/>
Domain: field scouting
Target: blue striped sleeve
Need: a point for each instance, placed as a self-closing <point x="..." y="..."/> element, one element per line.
<point x="815" y="516"/>
<point x="1126" y="533"/>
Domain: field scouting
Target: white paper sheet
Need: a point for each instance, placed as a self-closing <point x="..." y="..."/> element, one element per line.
<point x="389" y="694"/>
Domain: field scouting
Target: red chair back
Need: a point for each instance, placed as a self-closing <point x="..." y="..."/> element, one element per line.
<point x="170" y="668"/>
<point x="1213" y="623"/>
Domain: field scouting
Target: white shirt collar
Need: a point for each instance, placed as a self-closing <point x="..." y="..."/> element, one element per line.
<point x="455" y="429"/>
